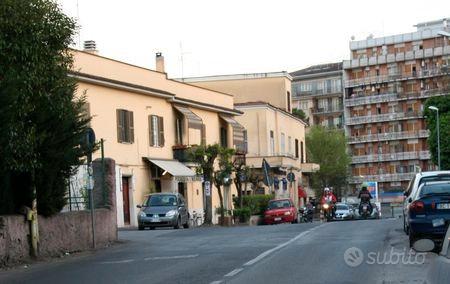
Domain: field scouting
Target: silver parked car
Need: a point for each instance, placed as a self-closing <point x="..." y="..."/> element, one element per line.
<point x="163" y="210"/>
<point x="344" y="212"/>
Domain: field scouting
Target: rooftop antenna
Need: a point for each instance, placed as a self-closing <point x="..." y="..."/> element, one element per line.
<point x="182" y="60"/>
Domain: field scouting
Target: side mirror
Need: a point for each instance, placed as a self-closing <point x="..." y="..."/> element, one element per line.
<point x="405" y="193"/>
<point x="139" y="206"/>
<point x="410" y="200"/>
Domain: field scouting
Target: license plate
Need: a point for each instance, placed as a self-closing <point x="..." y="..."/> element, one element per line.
<point x="155" y="218"/>
<point x="443" y="206"/>
<point x="438" y="222"/>
<point x="278" y="219"/>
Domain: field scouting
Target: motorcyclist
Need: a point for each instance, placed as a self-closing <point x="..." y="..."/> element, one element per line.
<point x="365" y="197"/>
<point x="329" y="198"/>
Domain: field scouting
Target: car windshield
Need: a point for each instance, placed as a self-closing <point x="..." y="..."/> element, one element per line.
<point x="341" y="207"/>
<point x="440" y="188"/>
<point x="162" y="200"/>
<point x="279" y="204"/>
<point x="441" y="177"/>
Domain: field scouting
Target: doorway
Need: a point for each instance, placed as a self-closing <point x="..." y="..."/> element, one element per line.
<point x="126" y="200"/>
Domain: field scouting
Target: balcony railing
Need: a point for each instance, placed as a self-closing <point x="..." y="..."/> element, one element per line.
<point x="388" y="136"/>
<point x="396" y="77"/>
<point x="400" y="56"/>
<point x="180" y="153"/>
<point x="383" y="117"/>
<point x="422" y="155"/>
<point x="382" y="178"/>
<point x="317" y="93"/>
<point x="327" y="110"/>
<point x="356" y="100"/>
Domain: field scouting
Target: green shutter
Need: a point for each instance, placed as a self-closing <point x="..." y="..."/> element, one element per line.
<point x="150" y="128"/>
<point x="130" y="126"/>
<point x="119" y="125"/>
<point x="161" y="130"/>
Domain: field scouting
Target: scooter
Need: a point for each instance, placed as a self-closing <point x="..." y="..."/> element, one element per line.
<point x="328" y="211"/>
<point x="306" y="215"/>
<point x="365" y="210"/>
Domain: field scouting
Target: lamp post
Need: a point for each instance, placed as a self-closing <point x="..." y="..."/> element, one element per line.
<point x="438" y="138"/>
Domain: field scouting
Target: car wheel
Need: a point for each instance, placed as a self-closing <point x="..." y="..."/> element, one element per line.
<point x="412" y="238"/>
<point x="177" y="225"/>
<point x="152" y="228"/>
<point x="140" y="228"/>
<point x="186" y="225"/>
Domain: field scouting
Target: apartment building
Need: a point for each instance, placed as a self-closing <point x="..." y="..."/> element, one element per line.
<point x="148" y="123"/>
<point x="274" y="134"/>
<point x="386" y="84"/>
<point x="317" y="91"/>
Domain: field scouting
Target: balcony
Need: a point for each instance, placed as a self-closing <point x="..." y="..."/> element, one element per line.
<point x="398" y="156"/>
<point x="393" y="57"/>
<point x="398" y="76"/>
<point x="382" y="178"/>
<point x="309" y="168"/>
<point x="318" y="93"/>
<point x="356" y="100"/>
<point x="383" y="117"/>
<point x="275" y="161"/>
<point x="388" y="136"/>
<point x="327" y="110"/>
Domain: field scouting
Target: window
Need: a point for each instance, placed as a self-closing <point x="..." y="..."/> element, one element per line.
<point x="156" y="129"/>
<point x="288" y="98"/>
<point x="301" y="153"/>
<point x="223" y="137"/>
<point x="283" y="145"/>
<point x="296" y="148"/>
<point x="272" y="143"/>
<point x="125" y="126"/>
<point x="289" y="145"/>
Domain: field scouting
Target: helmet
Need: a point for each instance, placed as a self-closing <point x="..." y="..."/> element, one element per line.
<point x="326" y="190"/>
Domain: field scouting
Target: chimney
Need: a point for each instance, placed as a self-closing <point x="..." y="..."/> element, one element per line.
<point x="160" y="62"/>
<point x="90" y="46"/>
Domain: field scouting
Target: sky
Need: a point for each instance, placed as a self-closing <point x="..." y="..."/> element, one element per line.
<point x="215" y="37"/>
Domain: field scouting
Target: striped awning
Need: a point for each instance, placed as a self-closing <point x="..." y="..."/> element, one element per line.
<point x="238" y="129"/>
<point x="194" y="121"/>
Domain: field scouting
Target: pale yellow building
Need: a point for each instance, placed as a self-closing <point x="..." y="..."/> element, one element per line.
<point x="148" y="122"/>
<point x="273" y="87"/>
<point x="274" y="134"/>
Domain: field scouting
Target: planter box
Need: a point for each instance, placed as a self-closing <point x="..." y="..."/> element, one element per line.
<point x="227" y="221"/>
<point x="256" y="220"/>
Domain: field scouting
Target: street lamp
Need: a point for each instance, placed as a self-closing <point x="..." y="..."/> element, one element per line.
<point x="438" y="138"/>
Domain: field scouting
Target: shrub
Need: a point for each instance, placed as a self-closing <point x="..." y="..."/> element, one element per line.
<point x="243" y="214"/>
<point x="257" y="204"/>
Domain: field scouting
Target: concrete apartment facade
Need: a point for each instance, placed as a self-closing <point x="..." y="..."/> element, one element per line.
<point x="386" y="84"/>
<point x="148" y="122"/>
<point x="273" y="132"/>
<point x="317" y="91"/>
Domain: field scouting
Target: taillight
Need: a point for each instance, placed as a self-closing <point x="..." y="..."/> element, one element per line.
<point x="417" y="206"/>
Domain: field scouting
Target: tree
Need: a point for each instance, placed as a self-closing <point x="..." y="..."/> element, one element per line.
<point x="443" y="104"/>
<point x="327" y="147"/>
<point x="41" y="120"/>
<point x="222" y="177"/>
<point x="299" y="113"/>
<point x="205" y="156"/>
<point x="241" y="176"/>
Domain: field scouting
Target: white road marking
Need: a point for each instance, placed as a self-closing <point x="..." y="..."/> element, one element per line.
<point x="268" y="252"/>
<point x="171" y="257"/>
<point x="216" y="282"/>
<point x="234" y="272"/>
<point x="117" y="261"/>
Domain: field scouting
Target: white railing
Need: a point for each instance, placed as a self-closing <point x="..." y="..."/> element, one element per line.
<point x="389" y="136"/>
<point x="382" y="117"/>
<point x="422" y="155"/>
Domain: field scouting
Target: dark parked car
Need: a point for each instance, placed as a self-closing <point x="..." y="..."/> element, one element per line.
<point x="429" y="212"/>
<point x="281" y="211"/>
<point x="163" y="210"/>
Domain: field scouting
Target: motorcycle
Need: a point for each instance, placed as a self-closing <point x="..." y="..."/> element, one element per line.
<point x="328" y="211"/>
<point x="306" y="215"/>
<point x="365" y="210"/>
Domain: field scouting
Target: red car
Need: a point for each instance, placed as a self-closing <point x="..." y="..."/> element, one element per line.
<point x="281" y="211"/>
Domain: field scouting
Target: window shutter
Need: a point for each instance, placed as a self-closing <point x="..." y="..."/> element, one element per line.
<point x="203" y="134"/>
<point x="150" y="127"/>
<point x="161" y="131"/>
<point x="119" y="125"/>
<point x="130" y="126"/>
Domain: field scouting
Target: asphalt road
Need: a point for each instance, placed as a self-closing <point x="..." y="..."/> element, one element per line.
<point x="338" y="252"/>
